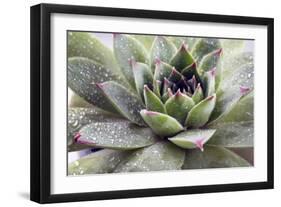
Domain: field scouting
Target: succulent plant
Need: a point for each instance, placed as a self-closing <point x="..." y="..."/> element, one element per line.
<point x="159" y="103"/>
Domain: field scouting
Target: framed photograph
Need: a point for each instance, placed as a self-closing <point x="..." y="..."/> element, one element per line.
<point x="133" y="103"/>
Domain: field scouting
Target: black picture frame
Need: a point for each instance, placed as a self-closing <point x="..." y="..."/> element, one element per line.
<point x="41" y="99"/>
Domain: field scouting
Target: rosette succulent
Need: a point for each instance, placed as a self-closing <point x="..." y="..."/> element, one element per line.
<point x="151" y="103"/>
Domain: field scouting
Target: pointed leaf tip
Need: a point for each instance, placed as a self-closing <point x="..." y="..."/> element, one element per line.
<point x="244" y="90"/>
<point x="77" y="136"/>
<point x="161" y="124"/>
<point x="219" y="52"/>
<point x="199" y="144"/>
<point x="194" y="138"/>
<point x="200" y="113"/>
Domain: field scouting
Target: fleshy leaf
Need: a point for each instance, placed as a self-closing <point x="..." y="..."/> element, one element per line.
<point x="158" y="157"/>
<point x="175" y="76"/>
<point x="198" y="94"/>
<point x="232" y="46"/>
<point x="210" y="60"/>
<point x="146" y="40"/>
<point x="194" y="138"/>
<point x="103" y="161"/>
<point x="162" y="49"/>
<point x="79" y="117"/>
<point x="213" y="157"/>
<point x="242" y="111"/>
<point x="124" y="102"/>
<point x="118" y="134"/>
<point x="233" y="134"/>
<point x="242" y="76"/>
<point x="161" y="124"/>
<point x="204" y="46"/>
<point x="157" y="87"/>
<point x="178" y="41"/>
<point x="178" y="106"/>
<point x="83" y="44"/>
<point x="126" y="49"/>
<point x="143" y="76"/>
<point x="210" y="82"/>
<point x="235" y="61"/>
<point x="77" y="101"/>
<point x="182" y="58"/>
<point x="82" y="74"/>
<point x="152" y="102"/>
<point x="166" y="84"/>
<point x="162" y="70"/>
<point x="226" y="102"/>
<point x="246" y="152"/>
<point x="190" y="71"/>
<point x="200" y="113"/>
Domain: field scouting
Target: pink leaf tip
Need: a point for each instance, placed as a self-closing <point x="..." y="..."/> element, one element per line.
<point x="132" y="62"/>
<point x="149" y="113"/>
<point x="219" y="52"/>
<point x="199" y="144"/>
<point x="77" y="136"/>
<point x="170" y="93"/>
<point x="184" y="47"/>
<point x="244" y="90"/>
<point x="157" y="61"/>
<point x="210" y="97"/>
<point x="99" y="85"/>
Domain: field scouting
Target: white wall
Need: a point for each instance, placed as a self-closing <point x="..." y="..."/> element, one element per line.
<point x="14" y="110"/>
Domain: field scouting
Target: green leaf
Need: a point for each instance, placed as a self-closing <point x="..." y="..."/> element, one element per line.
<point x="190" y="71"/>
<point x="146" y="40"/>
<point x="178" y="41"/>
<point x="213" y="157"/>
<point x="210" y="60"/>
<point x="182" y="58"/>
<point x="233" y="134"/>
<point x="194" y="138"/>
<point x="175" y="76"/>
<point x="152" y="102"/>
<point x="83" y="44"/>
<point x="242" y="111"/>
<point x="157" y="87"/>
<point x="162" y="70"/>
<point x="77" y="101"/>
<point x="166" y="84"/>
<point x="209" y="82"/>
<point x="82" y="73"/>
<point x="226" y="102"/>
<point x="204" y="46"/>
<point x="200" y="113"/>
<point x="158" y="157"/>
<point x="79" y="117"/>
<point x="198" y="94"/>
<point x="118" y="134"/>
<point x="103" y="161"/>
<point x="234" y="61"/>
<point x="246" y="152"/>
<point x="124" y="102"/>
<point x="161" y="124"/>
<point x="232" y="46"/>
<point x="242" y="76"/>
<point x="162" y="49"/>
<point x="213" y="62"/>
<point x="143" y="76"/>
<point x="178" y="106"/>
<point x="126" y="49"/>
